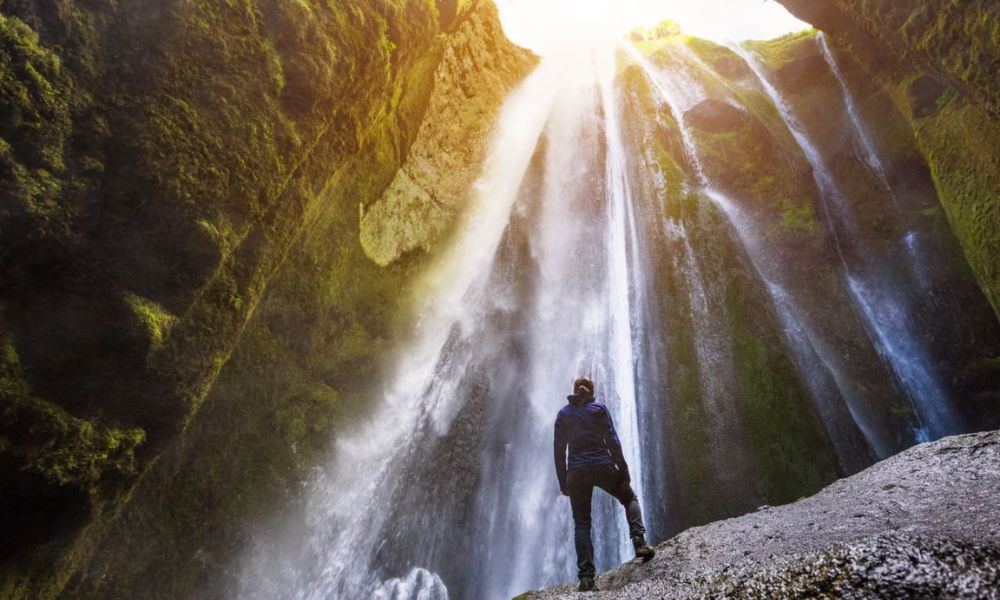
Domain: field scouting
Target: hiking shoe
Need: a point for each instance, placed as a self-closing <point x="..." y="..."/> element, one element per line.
<point x="642" y="549"/>
<point x="586" y="585"/>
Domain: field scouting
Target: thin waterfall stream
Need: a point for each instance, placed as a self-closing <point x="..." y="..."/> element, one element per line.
<point x="864" y="136"/>
<point x="885" y="308"/>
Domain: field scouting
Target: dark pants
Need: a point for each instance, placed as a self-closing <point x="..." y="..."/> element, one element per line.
<point x="580" y="484"/>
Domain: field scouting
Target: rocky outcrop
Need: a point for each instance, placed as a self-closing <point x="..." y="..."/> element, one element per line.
<point x="920" y="524"/>
<point x="715" y="116"/>
<point x="478" y="66"/>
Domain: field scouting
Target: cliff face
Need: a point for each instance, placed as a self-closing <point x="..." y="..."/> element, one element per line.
<point x="798" y="229"/>
<point x="181" y="283"/>
<point x="729" y="372"/>
<point x="938" y="61"/>
<point x="211" y="213"/>
<point x="477" y="66"/>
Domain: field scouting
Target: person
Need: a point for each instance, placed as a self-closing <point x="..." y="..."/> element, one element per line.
<point x="595" y="460"/>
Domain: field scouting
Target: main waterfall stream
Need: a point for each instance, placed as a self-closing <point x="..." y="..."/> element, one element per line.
<point x="539" y="289"/>
<point x="568" y="264"/>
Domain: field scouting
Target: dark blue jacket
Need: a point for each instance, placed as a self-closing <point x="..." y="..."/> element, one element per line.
<point x="586" y="427"/>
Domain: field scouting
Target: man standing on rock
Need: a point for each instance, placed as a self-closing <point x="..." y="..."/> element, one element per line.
<point x="595" y="460"/>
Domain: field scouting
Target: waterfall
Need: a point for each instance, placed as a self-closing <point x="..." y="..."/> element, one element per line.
<point x="451" y="482"/>
<point x="857" y="123"/>
<point x="916" y="260"/>
<point x="713" y="346"/>
<point x="624" y="283"/>
<point x="885" y="305"/>
<point x="565" y="265"/>
<point x="829" y="386"/>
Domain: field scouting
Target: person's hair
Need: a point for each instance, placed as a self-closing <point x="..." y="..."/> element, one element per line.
<point x="583" y="385"/>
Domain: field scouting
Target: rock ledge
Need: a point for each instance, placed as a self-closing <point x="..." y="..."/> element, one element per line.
<point x="922" y="524"/>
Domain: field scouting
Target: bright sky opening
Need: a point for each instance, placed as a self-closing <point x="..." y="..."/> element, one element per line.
<point x="543" y="25"/>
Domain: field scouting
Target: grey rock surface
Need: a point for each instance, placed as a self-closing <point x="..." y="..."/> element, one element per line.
<point x="922" y="524"/>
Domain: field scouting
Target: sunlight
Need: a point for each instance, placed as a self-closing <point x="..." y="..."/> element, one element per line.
<point x="544" y="25"/>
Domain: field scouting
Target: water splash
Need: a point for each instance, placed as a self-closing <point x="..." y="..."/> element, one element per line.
<point x="419" y="584"/>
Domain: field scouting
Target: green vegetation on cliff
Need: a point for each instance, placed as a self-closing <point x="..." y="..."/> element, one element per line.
<point x="931" y="56"/>
<point x="184" y="182"/>
<point x="717" y="445"/>
<point x="476" y="66"/>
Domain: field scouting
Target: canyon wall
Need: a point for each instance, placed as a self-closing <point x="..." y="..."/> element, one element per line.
<point x="213" y="214"/>
<point x="187" y="311"/>
<point x="938" y="62"/>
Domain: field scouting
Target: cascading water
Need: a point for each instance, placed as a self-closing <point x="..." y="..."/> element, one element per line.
<point x="819" y="369"/>
<point x="864" y="137"/>
<point x="917" y="261"/>
<point x="885" y="305"/>
<point x="713" y="349"/>
<point x="540" y="289"/>
<point x="567" y="265"/>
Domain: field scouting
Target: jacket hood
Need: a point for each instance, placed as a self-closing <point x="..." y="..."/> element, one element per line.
<point x="578" y="399"/>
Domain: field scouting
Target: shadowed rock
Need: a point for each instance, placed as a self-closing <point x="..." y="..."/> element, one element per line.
<point x="715" y="116"/>
<point x="921" y="524"/>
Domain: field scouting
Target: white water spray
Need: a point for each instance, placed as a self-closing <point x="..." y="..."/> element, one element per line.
<point x="495" y="364"/>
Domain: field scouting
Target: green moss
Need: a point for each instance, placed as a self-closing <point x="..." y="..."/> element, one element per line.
<point x="784" y="50"/>
<point x="967" y="177"/>
<point x="96" y="459"/>
<point x="35" y="95"/>
<point x="797" y="216"/>
<point x="153" y="320"/>
<point x="792" y="454"/>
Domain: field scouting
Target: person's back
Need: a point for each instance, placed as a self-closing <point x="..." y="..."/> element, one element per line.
<point x="595" y="459"/>
<point x="584" y="425"/>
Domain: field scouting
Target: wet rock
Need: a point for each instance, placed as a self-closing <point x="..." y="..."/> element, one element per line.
<point x="801" y="74"/>
<point x="477" y="70"/>
<point x="715" y="116"/>
<point x="931" y="531"/>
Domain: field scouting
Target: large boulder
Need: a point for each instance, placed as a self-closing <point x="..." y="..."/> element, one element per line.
<point x="920" y="524"/>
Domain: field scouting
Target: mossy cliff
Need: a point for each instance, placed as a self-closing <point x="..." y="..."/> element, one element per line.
<point x="769" y="255"/>
<point x="729" y="373"/>
<point x="938" y="61"/>
<point x="184" y="302"/>
<point x="476" y="68"/>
